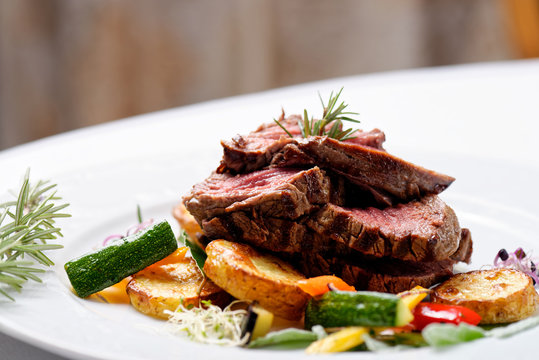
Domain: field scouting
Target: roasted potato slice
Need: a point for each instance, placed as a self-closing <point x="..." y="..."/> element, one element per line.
<point x="249" y="275"/>
<point x="498" y="295"/>
<point x="189" y="224"/>
<point x="164" y="285"/>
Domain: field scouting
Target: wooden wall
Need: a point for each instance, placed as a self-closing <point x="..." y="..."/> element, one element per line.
<point x="65" y="64"/>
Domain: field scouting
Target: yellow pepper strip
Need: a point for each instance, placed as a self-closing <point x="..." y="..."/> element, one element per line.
<point x="409" y="300"/>
<point x="342" y="340"/>
<point x="114" y="294"/>
<point x="263" y="322"/>
<point x="414" y="296"/>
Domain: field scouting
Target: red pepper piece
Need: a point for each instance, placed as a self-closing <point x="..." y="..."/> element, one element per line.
<point x="428" y="313"/>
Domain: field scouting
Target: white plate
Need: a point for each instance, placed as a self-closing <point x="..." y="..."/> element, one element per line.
<point x="105" y="171"/>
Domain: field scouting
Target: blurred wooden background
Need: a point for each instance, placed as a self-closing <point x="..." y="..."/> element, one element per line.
<point x="65" y="64"/>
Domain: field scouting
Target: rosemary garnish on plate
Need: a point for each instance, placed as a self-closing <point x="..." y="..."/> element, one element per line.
<point x="333" y="114"/>
<point x="29" y="225"/>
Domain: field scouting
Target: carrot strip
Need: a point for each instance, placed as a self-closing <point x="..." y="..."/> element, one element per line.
<point x="319" y="285"/>
<point x="114" y="294"/>
<point x="160" y="267"/>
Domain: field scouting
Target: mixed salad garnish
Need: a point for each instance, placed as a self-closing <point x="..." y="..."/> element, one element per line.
<point x="336" y="316"/>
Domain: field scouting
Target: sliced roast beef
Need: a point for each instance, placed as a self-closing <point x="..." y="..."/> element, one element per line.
<point x="255" y="151"/>
<point x="323" y="252"/>
<point x="384" y="274"/>
<point x="389" y="275"/>
<point x="333" y="207"/>
<point x="316" y="255"/>
<point x="386" y="176"/>
<point x="464" y="252"/>
<point x="425" y="229"/>
<point x="362" y="160"/>
<point x="272" y="234"/>
<point x="275" y="192"/>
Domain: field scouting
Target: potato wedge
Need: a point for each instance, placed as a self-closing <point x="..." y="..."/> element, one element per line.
<point x="498" y="295"/>
<point x="189" y="224"/>
<point x="162" y="287"/>
<point x="249" y="275"/>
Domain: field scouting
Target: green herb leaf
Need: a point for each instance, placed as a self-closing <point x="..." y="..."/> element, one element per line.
<point x="285" y="339"/>
<point x="324" y="127"/>
<point x="25" y="237"/>
<point x="440" y="335"/>
<point x="139" y="214"/>
<point x="282" y="127"/>
<point x="182" y="238"/>
<point x="197" y="253"/>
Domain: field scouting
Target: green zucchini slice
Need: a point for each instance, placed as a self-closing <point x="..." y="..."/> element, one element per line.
<point x="361" y="308"/>
<point x="98" y="270"/>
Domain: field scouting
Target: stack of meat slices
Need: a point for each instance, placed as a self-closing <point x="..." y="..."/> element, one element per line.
<point x="347" y="208"/>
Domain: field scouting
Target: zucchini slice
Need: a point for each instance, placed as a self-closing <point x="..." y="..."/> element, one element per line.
<point x="98" y="270"/>
<point x="361" y="308"/>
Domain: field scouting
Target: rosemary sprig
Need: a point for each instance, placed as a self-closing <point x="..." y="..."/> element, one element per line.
<point x="333" y="115"/>
<point x="24" y="239"/>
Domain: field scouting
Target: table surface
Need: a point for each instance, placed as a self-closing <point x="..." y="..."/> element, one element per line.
<point x="496" y="102"/>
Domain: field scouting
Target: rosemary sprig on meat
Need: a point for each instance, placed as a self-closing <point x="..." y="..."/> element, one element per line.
<point x="30" y="224"/>
<point x="333" y="115"/>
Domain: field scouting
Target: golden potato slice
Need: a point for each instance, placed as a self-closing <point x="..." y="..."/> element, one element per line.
<point x="162" y="286"/>
<point x="249" y="275"/>
<point x="189" y="224"/>
<point x="498" y="295"/>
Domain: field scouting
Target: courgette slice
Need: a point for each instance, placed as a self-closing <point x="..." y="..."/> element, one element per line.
<point x="98" y="270"/>
<point x="360" y="308"/>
